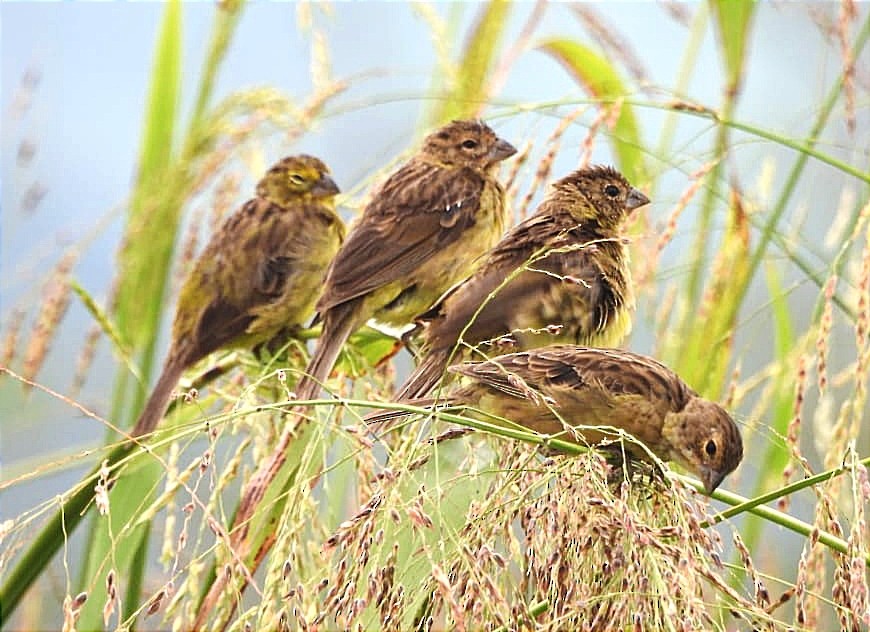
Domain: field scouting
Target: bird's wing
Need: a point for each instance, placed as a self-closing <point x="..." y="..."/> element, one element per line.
<point x="512" y="250"/>
<point x="419" y="211"/>
<point x="247" y="265"/>
<point x="568" y="367"/>
<point x="572" y="283"/>
<point x="508" y="374"/>
<point x="456" y="308"/>
<point x="613" y="371"/>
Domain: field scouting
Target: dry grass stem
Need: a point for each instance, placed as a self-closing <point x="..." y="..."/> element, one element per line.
<point x="55" y="301"/>
<point x="545" y="165"/>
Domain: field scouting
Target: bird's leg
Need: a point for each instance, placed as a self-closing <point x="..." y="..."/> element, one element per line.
<point x="619" y="462"/>
<point x="277" y="344"/>
<point x="632" y="468"/>
<point x="412" y="339"/>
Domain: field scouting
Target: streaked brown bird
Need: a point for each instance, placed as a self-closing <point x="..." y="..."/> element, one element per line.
<point x="422" y="232"/>
<point x="562" y="390"/>
<point x="571" y="281"/>
<point x="259" y="275"/>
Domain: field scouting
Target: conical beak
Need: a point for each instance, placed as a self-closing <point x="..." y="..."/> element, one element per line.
<point x="325" y="187"/>
<point x="636" y="199"/>
<point x="711" y="479"/>
<point x="501" y="150"/>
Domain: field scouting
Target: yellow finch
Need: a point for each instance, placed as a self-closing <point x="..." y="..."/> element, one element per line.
<point x="555" y="389"/>
<point x="259" y="275"/>
<point x="421" y="233"/>
<point x="572" y="282"/>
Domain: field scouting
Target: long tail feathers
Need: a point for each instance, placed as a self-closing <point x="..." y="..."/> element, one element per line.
<point x="380" y="417"/>
<point x="159" y="399"/>
<point x="337" y="327"/>
<point x="424" y="378"/>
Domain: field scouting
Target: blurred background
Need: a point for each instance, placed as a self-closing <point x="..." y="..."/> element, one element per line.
<point x="361" y="83"/>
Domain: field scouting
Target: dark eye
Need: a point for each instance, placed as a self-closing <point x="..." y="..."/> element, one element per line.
<point x="469" y="144"/>
<point x="710" y="448"/>
<point x="295" y="178"/>
<point x="611" y="190"/>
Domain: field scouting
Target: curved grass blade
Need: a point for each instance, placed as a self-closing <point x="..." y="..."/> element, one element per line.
<point x="732" y="22"/>
<point x="470" y="92"/>
<point x="598" y="76"/>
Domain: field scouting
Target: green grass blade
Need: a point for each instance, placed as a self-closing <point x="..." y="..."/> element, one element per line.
<point x="470" y="92"/>
<point x="144" y="266"/>
<point x="227" y="15"/>
<point x="162" y="186"/>
<point x="50" y="538"/>
<point x="704" y="351"/>
<point x="106" y="325"/>
<point x="72" y="510"/>
<point x="599" y="77"/>
<point x="732" y="22"/>
<point x="115" y="544"/>
<point x="152" y="221"/>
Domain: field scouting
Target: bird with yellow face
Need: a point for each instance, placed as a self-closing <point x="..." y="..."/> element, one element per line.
<point x="259" y="275"/>
<point x="423" y="231"/>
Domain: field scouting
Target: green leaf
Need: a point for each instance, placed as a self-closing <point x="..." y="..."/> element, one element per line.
<point x="598" y="76"/>
<point x="732" y="18"/>
<point x="706" y="344"/>
<point x="71" y="510"/>
<point x="367" y="348"/>
<point x="105" y="323"/>
<point x="470" y="90"/>
<point x="145" y="261"/>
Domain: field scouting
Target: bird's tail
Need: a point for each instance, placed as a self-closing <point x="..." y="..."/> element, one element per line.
<point x="381" y="417"/>
<point x="156" y="405"/>
<point x="338" y="324"/>
<point x="424" y="378"/>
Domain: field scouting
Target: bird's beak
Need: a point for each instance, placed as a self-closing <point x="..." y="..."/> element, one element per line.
<point x="636" y="199"/>
<point x="501" y="150"/>
<point x="325" y="187"/>
<point x="711" y="479"/>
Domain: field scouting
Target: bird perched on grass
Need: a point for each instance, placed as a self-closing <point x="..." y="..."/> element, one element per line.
<point x="555" y="389"/>
<point x="572" y="283"/>
<point x="422" y="232"/>
<point x="259" y="275"/>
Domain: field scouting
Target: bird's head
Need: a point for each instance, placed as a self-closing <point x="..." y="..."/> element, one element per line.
<point x="467" y="144"/>
<point x="600" y="194"/>
<point x="705" y="440"/>
<point x="296" y="177"/>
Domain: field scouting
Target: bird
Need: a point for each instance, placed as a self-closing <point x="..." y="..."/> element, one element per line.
<point x="560" y="276"/>
<point x="259" y="275"/>
<point x="423" y="231"/>
<point x="579" y="393"/>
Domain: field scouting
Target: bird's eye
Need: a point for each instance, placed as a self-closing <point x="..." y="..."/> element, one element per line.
<point x="611" y="190"/>
<point x="295" y="178"/>
<point x="469" y="144"/>
<point x="710" y="448"/>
